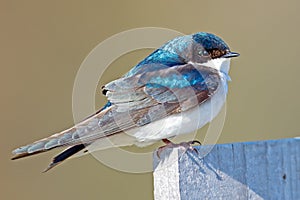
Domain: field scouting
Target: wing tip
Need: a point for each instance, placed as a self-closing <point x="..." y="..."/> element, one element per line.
<point x="25" y="154"/>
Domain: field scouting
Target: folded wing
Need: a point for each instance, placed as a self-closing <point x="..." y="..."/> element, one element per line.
<point x="136" y="101"/>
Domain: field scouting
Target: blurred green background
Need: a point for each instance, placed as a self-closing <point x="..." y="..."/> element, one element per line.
<point x="43" y="44"/>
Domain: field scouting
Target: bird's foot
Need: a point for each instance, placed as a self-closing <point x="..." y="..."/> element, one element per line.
<point x="184" y="145"/>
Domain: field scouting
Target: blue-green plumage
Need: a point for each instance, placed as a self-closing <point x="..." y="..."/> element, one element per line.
<point x="167" y="55"/>
<point x="175" y="53"/>
<point x="178" y="52"/>
<point x="178" y="79"/>
<point x="210" y="41"/>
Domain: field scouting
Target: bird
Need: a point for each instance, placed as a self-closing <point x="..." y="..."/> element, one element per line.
<point x="177" y="89"/>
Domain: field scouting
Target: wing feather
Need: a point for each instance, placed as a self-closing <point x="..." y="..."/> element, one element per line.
<point x="136" y="101"/>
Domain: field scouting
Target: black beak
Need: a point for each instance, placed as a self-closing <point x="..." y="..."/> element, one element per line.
<point x="230" y="55"/>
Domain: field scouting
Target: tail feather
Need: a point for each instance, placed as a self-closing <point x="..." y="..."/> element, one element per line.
<point x="64" y="155"/>
<point x="68" y="138"/>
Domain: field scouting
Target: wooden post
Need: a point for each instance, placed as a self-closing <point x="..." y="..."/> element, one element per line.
<point x="250" y="170"/>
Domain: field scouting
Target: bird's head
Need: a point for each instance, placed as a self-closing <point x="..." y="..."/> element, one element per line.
<point x="209" y="49"/>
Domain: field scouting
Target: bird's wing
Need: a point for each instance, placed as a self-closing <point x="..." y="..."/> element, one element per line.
<point x="175" y="85"/>
<point x="136" y="101"/>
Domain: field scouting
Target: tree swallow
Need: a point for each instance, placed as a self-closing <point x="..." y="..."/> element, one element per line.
<point x="176" y="90"/>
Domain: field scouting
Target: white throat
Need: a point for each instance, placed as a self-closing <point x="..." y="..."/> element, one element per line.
<point x="221" y="64"/>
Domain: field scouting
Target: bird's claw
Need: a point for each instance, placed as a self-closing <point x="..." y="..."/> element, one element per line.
<point x="169" y="144"/>
<point x="185" y="145"/>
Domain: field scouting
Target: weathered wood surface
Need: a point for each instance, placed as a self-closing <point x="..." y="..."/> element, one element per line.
<point x="250" y="170"/>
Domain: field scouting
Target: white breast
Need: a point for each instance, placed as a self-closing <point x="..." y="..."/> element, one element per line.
<point x="182" y="123"/>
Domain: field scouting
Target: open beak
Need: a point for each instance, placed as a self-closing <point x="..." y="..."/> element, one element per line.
<point x="230" y="55"/>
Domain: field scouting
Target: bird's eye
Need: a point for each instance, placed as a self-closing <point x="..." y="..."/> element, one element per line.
<point x="203" y="53"/>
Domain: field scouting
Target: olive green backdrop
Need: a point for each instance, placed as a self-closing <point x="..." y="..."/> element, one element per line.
<point x="43" y="43"/>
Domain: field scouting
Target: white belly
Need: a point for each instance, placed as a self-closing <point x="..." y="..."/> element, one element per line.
<point x="182" y="123"/>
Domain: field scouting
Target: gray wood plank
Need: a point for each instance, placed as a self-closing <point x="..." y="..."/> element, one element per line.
<point x="250" y="170"/>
